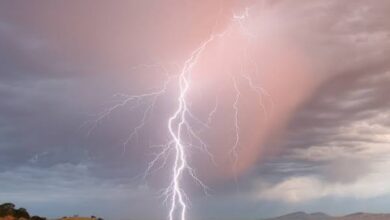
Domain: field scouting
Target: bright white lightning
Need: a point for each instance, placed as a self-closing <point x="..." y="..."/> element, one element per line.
<point x="176" y="125"/>
<point x="181" y="132"/>
<point x="234" y="150"/>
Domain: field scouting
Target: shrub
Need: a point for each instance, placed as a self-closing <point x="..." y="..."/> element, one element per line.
<point x="37" y="218"/>
<point x="7" y="209"/>
<point x="21" y="213"/>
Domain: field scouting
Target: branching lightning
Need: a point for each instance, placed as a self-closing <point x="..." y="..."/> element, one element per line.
<point x="182" y="135"/>
<point x="176" y="125"/>
<point x="234" y="150"/>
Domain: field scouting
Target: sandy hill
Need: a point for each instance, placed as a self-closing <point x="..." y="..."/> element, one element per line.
<point x="78" y="218"/>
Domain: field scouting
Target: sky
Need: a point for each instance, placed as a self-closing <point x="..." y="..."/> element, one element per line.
<point x="307" y="80"/>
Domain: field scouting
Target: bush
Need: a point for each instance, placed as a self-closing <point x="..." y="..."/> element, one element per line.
<point x="37" y="218"/>
<point x="21" y="213"/>
<point x="7" y="209"/>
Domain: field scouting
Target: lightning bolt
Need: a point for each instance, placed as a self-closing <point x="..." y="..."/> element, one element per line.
<point x="176" y="125"/>
<point x="234" y="150"/>
<point x="182" y="135"/>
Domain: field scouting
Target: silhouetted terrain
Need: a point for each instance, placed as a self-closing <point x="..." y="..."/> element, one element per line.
<point x="8" y="211"/>
<point x="303" y="216"/>
<point x="322" y="216"/>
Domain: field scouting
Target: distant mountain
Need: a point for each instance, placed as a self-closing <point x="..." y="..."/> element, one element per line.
<point x="365" y="216"/>
<point x="322" y="216"/>
<point x="303" y="216"/>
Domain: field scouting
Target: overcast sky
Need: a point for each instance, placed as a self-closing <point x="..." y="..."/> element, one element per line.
<point x="316" y="139"/>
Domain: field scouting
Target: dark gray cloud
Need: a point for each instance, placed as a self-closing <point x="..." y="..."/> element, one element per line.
<point x="61" y="63"/>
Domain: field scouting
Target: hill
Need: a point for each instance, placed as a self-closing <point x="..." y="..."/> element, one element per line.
<point x="365" y="216"/>
<point x="322" y="216"/>
<point x="303" y="216"/>
<point x="78" y="218"/>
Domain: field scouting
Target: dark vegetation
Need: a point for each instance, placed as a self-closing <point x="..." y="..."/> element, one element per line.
<point x="8" y="210"/>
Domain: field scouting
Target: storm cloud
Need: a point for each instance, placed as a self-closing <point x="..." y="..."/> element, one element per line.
<point x="62" y="63"/>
